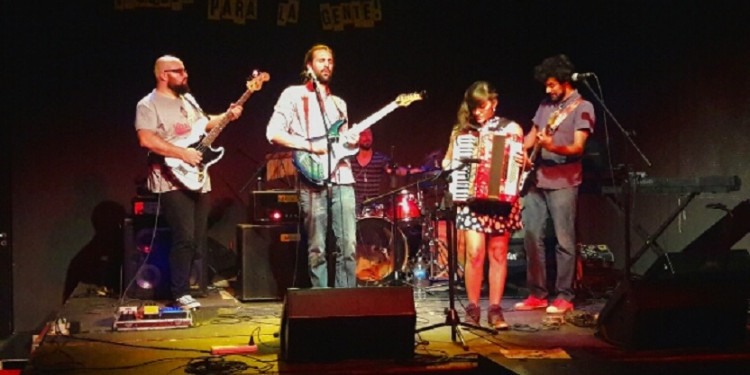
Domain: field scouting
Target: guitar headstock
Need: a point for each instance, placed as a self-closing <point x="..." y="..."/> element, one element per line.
<point x="406" y="99"/>
<point x="255" y="82"/>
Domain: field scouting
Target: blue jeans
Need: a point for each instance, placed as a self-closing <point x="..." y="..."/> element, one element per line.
<point x="186" y="213"/>
<point x="314" y="203"/>
<point x="560" y="205"/>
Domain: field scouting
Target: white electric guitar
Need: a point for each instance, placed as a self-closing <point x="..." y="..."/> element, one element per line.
<point x="194" y="176"/>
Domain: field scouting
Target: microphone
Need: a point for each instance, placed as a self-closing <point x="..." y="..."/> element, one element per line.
<point x="581" y="76"/>
<point x="310" y="74"/>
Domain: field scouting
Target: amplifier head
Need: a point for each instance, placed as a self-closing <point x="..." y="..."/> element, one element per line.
<point x="275" y="206"/>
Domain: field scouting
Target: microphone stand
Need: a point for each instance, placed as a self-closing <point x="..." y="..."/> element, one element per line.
<point x="451" y="315"/>
<point x="330" y="240"/>
<point x="629" y="183"/>
<point x="255" y="177"/>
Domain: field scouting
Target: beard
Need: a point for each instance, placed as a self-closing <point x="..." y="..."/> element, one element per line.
<point x="180" y="89"/>
<point x="324" y="79"/>
<point x="365" y="146"/>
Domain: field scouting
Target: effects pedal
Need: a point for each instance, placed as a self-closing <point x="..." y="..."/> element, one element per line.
<point x="151" y="317"/>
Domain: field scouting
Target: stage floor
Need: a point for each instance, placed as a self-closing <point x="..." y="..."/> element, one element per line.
<point x="535" y="344"/>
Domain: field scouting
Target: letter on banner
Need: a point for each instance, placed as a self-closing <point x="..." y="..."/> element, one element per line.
<point x="214" y="7"/>
<point x="347" y="18"/>
<point x="225" y="12"/>
<point x="377" y="10"/>
<point x="240" y="9"/>
<point x="367" y="11"/>
<point x="338" y="24"/>
<point x="177" y="5"/>
<point x="251" y="9"/>
<point x="293" y="11"/>
<point x="325" y="16"/>
<point x="281" y="14"/>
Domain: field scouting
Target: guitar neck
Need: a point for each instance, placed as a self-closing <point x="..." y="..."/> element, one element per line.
<point x="216" y="130"/>
<point x="375" y="117"/>
<point x="534" y="152"/>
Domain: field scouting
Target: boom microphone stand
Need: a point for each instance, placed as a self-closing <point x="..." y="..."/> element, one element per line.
<point x="451" y="315"/>
<point x="629" y="182"/>
<point x="330" y="240"/>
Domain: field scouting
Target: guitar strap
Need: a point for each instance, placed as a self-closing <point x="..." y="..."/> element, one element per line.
<point x="555" y="119"/>
<point x="196" y="107"/>
<point x="559" y="115"/>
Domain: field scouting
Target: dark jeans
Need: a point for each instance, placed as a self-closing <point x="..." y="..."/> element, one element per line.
<point x="560" y="205"/>
<point x="186" y="213"/>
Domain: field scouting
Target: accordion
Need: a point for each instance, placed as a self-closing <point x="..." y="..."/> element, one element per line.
<point x="495" y="176"/>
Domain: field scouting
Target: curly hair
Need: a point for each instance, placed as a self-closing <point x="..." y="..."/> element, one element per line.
<point x="558" y="67"/>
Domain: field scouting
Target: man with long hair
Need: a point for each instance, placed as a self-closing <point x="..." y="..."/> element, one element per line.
<point x="301" y="119"/>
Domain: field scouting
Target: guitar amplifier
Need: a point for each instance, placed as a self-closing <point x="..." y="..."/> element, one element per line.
<point x="145" y="205"/>
<point x="275" y="207"/>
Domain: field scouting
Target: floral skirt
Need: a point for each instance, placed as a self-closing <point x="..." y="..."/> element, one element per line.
<point x="489" y="217"/>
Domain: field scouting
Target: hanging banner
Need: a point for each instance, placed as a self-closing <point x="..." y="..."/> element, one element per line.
<point x="333" y="17"/>
<point x="360" y="14"/>
<point x="236" y="11"/>
<point x="288" y="13"/>
<point x="162" y="4"/>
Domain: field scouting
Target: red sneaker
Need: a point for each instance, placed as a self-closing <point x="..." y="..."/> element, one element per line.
<point x="560" y="306"/>
<point x="530" y="303"/>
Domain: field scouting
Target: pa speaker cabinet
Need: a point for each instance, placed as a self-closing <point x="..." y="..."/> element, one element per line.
<point x="146" y="259"/>
<point x="272" y="258"/>
<point x="673" y="313"/>
<point x="348" y="323"/>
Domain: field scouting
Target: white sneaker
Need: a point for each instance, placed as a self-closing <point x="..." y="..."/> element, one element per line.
<point x="188" y="302"/>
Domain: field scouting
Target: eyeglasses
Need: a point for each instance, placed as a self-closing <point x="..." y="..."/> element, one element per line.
<point x="178" y="71"/>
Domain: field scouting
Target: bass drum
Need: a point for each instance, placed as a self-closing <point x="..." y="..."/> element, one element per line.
<point x="380" y="253"/>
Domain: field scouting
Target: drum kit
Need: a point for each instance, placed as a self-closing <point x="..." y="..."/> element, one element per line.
<point x="399" y="226"/>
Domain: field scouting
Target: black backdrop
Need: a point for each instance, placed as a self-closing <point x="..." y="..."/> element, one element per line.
<point x="673" y="72"/>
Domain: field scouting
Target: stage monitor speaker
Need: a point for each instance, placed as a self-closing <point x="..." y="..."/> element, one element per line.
<point x="273" y="258"/>
<point x="348" y="323"/>
<point x="699" y="305"/>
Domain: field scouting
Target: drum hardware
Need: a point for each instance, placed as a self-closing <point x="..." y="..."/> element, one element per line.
<point x="435" y="247"/>
<point x="403" y="217"/>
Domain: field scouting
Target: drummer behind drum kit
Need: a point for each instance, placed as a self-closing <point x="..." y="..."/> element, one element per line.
<point x="398" y="226"/>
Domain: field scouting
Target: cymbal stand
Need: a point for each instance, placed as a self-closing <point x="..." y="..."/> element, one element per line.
<point x="431" y="242"/>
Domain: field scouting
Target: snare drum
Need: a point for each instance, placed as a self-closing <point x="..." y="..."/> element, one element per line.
<point x="380" y="253"/>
